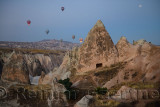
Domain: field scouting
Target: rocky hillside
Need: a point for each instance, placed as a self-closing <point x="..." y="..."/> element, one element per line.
<point x="17" y="65"/>
<point x="44" y="44"/>
<point x="100" y="63"/>
<point x="106" y="64"/>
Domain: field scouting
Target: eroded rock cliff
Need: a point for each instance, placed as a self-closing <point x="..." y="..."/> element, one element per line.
<point x="98" y="48"/>
<point x="103" y="64"/>
<point x="18" y="65"/>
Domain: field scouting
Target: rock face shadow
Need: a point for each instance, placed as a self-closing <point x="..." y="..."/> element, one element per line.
<point x="1" y="67"/>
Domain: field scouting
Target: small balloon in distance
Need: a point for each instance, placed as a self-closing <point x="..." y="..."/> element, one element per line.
<point x="47" y="31"/>
<point x="28" y="22"/>
<point x="73" y="37"/>
<point x="62" y="8"/>
<point x="81" y="40"/>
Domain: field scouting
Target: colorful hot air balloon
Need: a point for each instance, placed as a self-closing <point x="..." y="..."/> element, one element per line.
<point x="62" y="8"/>
<point x="47" y="31"/>
<point x="81" y="40"/>
<point x="28" y="22"/>
<point x="73" y="37"/>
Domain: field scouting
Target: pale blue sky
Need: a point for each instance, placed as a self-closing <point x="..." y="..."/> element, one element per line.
<point x="120" y="17"/>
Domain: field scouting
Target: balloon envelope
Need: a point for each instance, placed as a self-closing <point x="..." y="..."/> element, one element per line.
<point x="62" y="8"/>
<point x="47" y="31"/>
<point x="73" y="37"/>
<point x="81" y="39"/>
<point x="28" y="22"/>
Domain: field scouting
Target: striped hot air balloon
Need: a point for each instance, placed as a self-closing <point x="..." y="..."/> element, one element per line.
<point x="81" y="40"/>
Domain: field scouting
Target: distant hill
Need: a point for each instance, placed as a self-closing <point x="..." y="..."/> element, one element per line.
<point x="44" y="44"/>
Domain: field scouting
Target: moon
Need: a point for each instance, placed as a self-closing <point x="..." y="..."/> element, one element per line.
<point x="140" y="6"/>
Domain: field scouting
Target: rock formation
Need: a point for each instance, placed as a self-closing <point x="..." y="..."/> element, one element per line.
<point x="97" y="63"/>
<point x="16" y="66"/>
<point x="142" y="64"/>
<point x="106" y="64"/>
<point x="15" y="70"/>
<point x="98" y="48"/>
<point x="122" y="46"/>
<point x="126" y="93"/>
<point x="84" y="102"/>
<point x="139" y="42"/>
<point x="131" y="94"/>
<point x="57" y="98"/>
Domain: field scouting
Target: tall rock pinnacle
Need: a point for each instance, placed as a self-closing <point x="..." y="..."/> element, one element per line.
<point x="99" y="24"/>
<point x="97" y="47"/>
<point x="99" y="36"/>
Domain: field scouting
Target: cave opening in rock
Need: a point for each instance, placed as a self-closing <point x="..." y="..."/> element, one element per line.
<point x="1" y="67"/>
<point x="98" y="65"/>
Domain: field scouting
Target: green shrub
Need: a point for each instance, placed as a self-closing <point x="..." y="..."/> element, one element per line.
<point x="66" y="82"/>
<point x="101" y="91"/>
<point x="70" y="93"/>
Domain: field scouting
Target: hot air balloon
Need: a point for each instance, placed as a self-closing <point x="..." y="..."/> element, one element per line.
<point x="62" y="8"/>
<point x="47" y="31"/>
<point x="73" y="37"/>
<point x="81" y="40"/>
<point x="28" y="22"/>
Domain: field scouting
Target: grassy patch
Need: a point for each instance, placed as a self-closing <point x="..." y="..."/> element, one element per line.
<point x="136" y="85"/>
<point x="101" y="91"/>
<point x="140" y="85"/>
<point x="107" y="73"/>
<point x="101" y="101"/>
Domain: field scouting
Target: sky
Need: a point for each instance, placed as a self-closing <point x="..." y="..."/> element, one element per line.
<point x="134" y="19"/>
